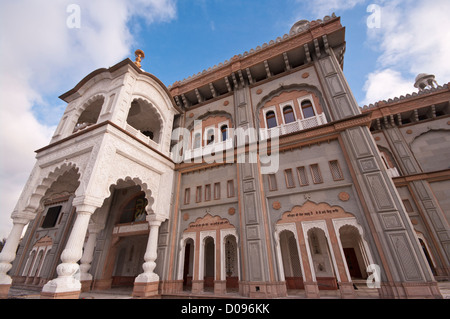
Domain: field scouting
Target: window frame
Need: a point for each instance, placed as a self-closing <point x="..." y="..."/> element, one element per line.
<point x="274" y="110"/>
<point x="54" y="219"/>
<point x="313" y="175"/>
<point x="299" y="176"/>
<point x="230" y="190"/>
<point x="339" y="169"/>
<point x="217" y="190"/>
<point x="207" y="192"/>
<point x="198" y="194"/>
<point x="310" y="98"/>
<point x="219" y="129"/>
<point x="206" y="133"/>
<point x="194" y="140"/>
<point x="287" y="178"/>
<point x="283" y="105"/>
<point x="187" y="196"/>
<point x="273" y="186"/>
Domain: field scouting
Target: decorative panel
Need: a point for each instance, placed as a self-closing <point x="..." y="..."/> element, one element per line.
<point x="250" y="208"/>
<point x="404" y="254"/>
<point x="378" y="190"/>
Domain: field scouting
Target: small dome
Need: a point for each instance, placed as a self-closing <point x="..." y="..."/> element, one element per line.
<point x="299" y="26"/>
<point x="425" y="81"/>
<point x="423" y="75"/>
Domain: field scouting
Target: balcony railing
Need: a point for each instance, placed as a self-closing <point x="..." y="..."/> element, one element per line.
<point x="142" y="137"/>
<point x="295" y="126"/>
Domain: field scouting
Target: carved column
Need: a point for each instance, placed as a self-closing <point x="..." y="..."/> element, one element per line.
<point x="404" y="270"/>
<point x="405" y="273"/>
<point x="147" y="283"/>
<point x="66" y="285"/>
<point x="88" y="256"/>
<point x="220" y="283"/>
<point x="9" y="250"/>
<point x="197" y="280"/>
<point x="432" y="212"/>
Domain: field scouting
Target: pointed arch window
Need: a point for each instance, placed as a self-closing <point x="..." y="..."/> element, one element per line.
<point x="271" y="119"/>
<point x="197" y="140"/>
<point x="224" y="132"/>
<point x="210" y="137"/>
<point x="308" y="109"/>
<point x="288" y="114"/>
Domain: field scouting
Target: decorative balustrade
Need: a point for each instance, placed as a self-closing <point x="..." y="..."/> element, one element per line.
<point x="221" y="147"/>
<point x="142" y="137"/>
<point x="295" y="126"/>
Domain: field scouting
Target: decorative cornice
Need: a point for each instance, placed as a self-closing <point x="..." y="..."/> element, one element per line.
<point x="237" y="62"/>
<point x="407" y="97"/>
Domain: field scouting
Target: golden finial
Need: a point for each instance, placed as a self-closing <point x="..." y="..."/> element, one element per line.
<point x="139" y="56"/>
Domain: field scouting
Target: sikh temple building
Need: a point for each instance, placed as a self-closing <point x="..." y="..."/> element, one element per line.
<point x="258" y="177"/>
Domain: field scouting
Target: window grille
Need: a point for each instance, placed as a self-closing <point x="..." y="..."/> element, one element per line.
<point x="315" y="172"/>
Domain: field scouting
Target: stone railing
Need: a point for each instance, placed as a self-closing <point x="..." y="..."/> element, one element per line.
<point x="142" y="137"/>
<point x="295" y="126"/>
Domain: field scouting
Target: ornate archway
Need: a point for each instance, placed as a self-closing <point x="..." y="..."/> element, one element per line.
<point x="203" y="232"/>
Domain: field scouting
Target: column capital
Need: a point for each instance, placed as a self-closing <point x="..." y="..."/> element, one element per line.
<point x="155" y="220"/>
<point x="87" y="204"/>
<point x="22" y="217"/>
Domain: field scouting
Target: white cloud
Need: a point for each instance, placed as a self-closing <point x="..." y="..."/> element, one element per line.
<point x="321" y="8"/>
<point x="41" y="58"/>
<point x="412" y="40"/>
<point x="385" y="84"/>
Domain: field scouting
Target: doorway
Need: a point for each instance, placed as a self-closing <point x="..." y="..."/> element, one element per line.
<point x="129" y="261"/>
<point x="352" y="263"/>
<point x="188" y="266"/>
<point x="291" y="261"/>
<point x="209" y="274"/>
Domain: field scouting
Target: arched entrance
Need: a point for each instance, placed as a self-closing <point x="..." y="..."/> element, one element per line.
<point x="129" y="232"/>
<point x="354" y="252"/>
<point x="315" y="228"/>
<point x="209" y="264"/>
<point x="426" y="250"/>
<point x="231" y="263"/>
<point x="209" y="255"/>
<point x="130" y="257"/>
<point x="188" y="265"/>
<point x="322" y="259"/>
<point x="291" y="260"/>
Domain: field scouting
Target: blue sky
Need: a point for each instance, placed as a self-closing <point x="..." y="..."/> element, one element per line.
<point x="41" y="58"/>
<point x="207" y="33"/>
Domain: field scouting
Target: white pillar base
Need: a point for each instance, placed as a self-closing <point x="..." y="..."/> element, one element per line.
<point x="147" y="278"/>
<point x="64" y="284"/>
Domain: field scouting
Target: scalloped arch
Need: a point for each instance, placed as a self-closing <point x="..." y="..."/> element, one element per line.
<point x="144" y="187"/>
<point x="92" y="99"/>
<point x="35" y="202"/>
<point x="155" y="110"/>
